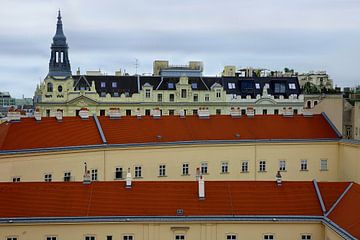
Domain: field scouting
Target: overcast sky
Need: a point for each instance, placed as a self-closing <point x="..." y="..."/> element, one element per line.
<point x="110" y="34"/>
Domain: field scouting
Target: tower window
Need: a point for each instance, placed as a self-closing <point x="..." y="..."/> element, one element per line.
<point x="60" y="88"/>
<point x="57" y="57"/>
<point x="62" y="57"/>
<point x="103" y="84"/>
<point x="50" y="87"/>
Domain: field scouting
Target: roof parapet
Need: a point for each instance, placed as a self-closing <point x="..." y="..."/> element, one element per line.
<point x="156" y="113"/>
<point x="203" y="113"/>
<point x="250" y="112"/>
<point x="14" y="115"/>
<point x="288" y="112"/>
<point x="37" y="115"/>
<point x="114" y="113"/>
<point x="84" y="113"/>
<point x="235" y="112"/>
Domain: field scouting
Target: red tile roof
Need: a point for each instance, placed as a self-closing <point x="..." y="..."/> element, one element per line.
<point x="73" y="131"/>
<point x="331" y="191"/>
<point x="191" y="128"/>
<point x="347" y="212"/>
<point x="47" y="133"/>
<point x="157" y="199"/>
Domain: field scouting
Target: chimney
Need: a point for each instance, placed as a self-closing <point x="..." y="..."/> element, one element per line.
<point x="114" y="113"/>
<point x="201" y="184"/>
<point x="14" y="114"/>
<point x="203" y="112"/>
<point x="278" y="179"/>
<point x="78" y="71"/>
<point x="128" y="179"/>
<point x="59" y="115"/>
<point x="182" y="113"/>
<point x="87" y="179"/>
<point x="37" y="114"/>
<point x="235" y="112"/>
<point x="84" y="113"/>
<point x="156" y="113"/>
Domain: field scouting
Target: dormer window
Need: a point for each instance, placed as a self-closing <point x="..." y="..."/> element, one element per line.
<point x="116" y="94"/>
<point x="194" y="86"/>
<point x="231" y="85"/>
<point x="170" y="85"/>
<point x="183" y="93"/>
<point x="292" y="86"/>
<point x="114" y="84"/>
<point x="280" y="88"/>
<point x="257" y="85"/>
<point x="103" y="84"/>
<point x="147" y="93"/>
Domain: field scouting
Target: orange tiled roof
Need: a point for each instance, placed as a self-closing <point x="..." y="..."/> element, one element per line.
<point x="331" y="191"/>
<point x="47" y="133"/>
<point x="59" y="199"/>
<point x="73" y="131"/>
<point x="347" y="213"/>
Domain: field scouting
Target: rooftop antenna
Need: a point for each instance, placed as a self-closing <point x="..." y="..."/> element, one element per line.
<point x="136" y="65"/>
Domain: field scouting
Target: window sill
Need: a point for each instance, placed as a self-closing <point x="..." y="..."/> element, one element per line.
<point x="119" y="178"/>
<point x="224" y="172"/>
<point x="282" y="170"/>
<point x="304" y="170"/>
<point x="185" y="175"/>
<point x="138" y="177"/>
<point x="262" y="171"/>
<point x="244" y="172"/>
<point x="324" y="170"/>
<point x="162" y="176"/>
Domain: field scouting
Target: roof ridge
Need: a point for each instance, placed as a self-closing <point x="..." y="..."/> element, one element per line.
<point x="339" y="199"/>
<point x="319" y="196"/>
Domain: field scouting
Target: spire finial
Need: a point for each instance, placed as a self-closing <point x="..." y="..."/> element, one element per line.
<point x="59" y="14"/>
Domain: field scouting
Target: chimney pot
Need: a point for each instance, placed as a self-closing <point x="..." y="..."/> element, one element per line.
<point x="278" y="179"/>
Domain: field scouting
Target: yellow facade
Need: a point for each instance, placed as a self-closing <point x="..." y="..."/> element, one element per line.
<point x="342" y="161"/>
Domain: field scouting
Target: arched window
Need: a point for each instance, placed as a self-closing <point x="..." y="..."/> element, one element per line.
<point x="49" y="87"/>
<point x="315" y="103"/>
<point x="60" y="88"/>
<point x="308" y="104"/>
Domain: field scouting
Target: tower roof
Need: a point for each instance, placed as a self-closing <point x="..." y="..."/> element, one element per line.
<point x="59" y="38"/>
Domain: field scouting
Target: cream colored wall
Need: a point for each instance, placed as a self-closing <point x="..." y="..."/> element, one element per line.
<point x="164" y="231"/>
<point x="356" y="120"/>
<point x="32" y="167"/>
<point x="349" y="161"/>
<point x="330" y="234"/>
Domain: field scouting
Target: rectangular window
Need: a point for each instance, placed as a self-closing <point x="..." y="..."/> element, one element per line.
<point x="268" y="237"/>
<point x="185" y="169"/>
<point x="231" y="85"/>
<point x="48" y="177"/>
<point x="48" y="112"/>
<point x="183" y="93"/>
<point x="323" y="165"/>
<point x="103" y="84"/>
<point x="295" y="111"/>
<point x="109" y="238"/>
<point x="114" y="84"/>
<point x="262" y="166"/>
<point x="257" y="85"/>
<point x="128" y="237"/>
<point x="103" y="94"/>
<point x="231" y="237"/>
<point x="170" y="85"/>
<point x="179" y="237"/>
<point x="245" y="166"/>
<point x="204" y="168"/>
<point x="128" y="112"/>
<point x="207" y="97"/>
<point x="159" y="97"/>
<point x="218" y="93"/>
<point x="171" y="97"/>
<point x="147" y="93"/>
<point x="171" y="112"/>
<point x="147" y="112"/>
<point x="16" y="179"/>
<point x="94" y="174"/>
<point x="116" y="94"/>
<point x="194" y="86"/>
<point x="280" y="88"/>
<point x="224" y="167"/>
<point x="195" y="112"/>
<point x="118" y="173"/>
<point x="162" y="170"/>
<point x="11" y="238"/>
<point x="138" y="172"/>
<point x="276" y="111"/>
<point x="282" y="165"/>
<point x="292" y="86"/>
<point x="51" y="238"/>
<point x="67" y="176"/>
<point x="218" y="111"/>
<point x="303" y="165"/>
<point x="264" y="111"/>
<point x="243" y="111"/>
<point x="90" y="238"/>
<point x="196" y="98"/>
<point x="102" y="112"/>
<point x="305" y="237"/>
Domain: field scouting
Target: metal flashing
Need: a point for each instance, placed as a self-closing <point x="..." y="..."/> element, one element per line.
<point x="339" y="199"/>
<point x="318" y="194"/>
<point x="100" y="130"/>
<point x="331" y="124"/>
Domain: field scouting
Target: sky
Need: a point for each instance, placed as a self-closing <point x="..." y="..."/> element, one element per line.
<point x="109" y="35"/>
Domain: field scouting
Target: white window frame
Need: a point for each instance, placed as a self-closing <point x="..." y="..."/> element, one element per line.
<point x="94" y="174"/>
<point x="262" y="166"/>
<point x="67" y="175"/>
<point x="292" y="86"/>
<point x="231" y="85"/>
<point x="304" y="166"/>
<point x="179" y="236"/>
<point x="103" y="84"/>
<point x="257" y="85"/>
<point x="147" y="93"/>
<point x="266" y="236"/>
<point x="305" y="236"/>
<point x="89" y="237"/>
<point x="231" y="236"/>
<point x="48" y="177"/>
<point x="204" y="169"/>
<point x="51" y="237"/>
<point x="224" y="167"/>
<point x="114" y="84"/>
<point x="16" y="179"/>
<point x="138" y="171"/>
<point x="162" y="170"/>
<point x="282" y="165"/>
<point x="128" y="236"/>
<point x="324" y="164"/>
<point x="218" y="93"/>
<point x="245" y="166"/>
<point x="185" y="169"/>
<point x="207" y="97"/>
<point x="12" y="238"/>
<point x="118" y="170"/>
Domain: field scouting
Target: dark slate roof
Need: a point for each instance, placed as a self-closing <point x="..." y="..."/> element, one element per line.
<point x="243" y="85"/>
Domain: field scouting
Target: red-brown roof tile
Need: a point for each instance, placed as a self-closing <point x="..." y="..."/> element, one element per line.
<point x="157" y="199"/>
<point x="331" y="191"/>
<point x="191" y="128"/>
<point x="48" y="133"/>
<point x="347" y="213"/>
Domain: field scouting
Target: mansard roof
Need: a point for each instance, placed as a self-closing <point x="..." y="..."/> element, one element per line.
<point x="129" y="130"/>
<point x="243" y="85"/>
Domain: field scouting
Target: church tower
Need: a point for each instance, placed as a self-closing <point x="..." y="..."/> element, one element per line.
<point x="59" y="65"/>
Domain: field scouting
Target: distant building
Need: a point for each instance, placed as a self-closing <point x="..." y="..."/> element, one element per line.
<point x="6" y="101"/>
<point x="173" y="90"/>
<point x="320" y="79"/>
